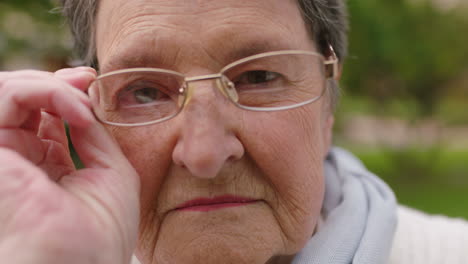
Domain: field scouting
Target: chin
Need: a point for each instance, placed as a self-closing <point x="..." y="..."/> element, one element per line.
<point x="217" y="250"/>
<point x="230" y="235"/>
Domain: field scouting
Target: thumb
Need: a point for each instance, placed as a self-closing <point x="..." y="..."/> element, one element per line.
<point x="98" y="150"/>
<point x="115" y="183"/>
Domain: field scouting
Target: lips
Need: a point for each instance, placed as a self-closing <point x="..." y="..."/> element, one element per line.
<point x="215" y="203"/>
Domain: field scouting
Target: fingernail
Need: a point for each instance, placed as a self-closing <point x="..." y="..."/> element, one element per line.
<point x="87" y="69"/>
<point x="65" y="71"/>
<point x="70" y="71"/>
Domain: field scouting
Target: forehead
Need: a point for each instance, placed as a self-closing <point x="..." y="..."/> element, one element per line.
<point x="132" y="33"/>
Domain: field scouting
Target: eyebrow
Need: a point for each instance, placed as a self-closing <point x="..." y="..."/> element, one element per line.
<point x="253" y="47"/>
<point x="154" y="57"/>
<point x="138" y="58"/>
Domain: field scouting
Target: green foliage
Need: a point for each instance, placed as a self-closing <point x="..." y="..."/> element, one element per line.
<point x="405" y="49"/>
<point x="450" y="111"/>
<point x="453" y="111"/>
<point x="37" y="8"/>
<point x="432" y="179"/>
<point x="32" y="31"/>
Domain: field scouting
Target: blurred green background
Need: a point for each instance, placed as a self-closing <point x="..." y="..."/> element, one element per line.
<point x="404" y="109"/>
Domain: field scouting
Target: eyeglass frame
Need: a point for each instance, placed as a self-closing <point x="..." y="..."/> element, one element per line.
<point x="331" y="72"/>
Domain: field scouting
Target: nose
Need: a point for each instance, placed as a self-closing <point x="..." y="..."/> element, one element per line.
<point x="207" y="138"/>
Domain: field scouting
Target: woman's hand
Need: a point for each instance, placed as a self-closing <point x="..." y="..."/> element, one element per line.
<point x="49" y="211"/>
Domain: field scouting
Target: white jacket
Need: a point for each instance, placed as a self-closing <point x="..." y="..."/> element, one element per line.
<point x="429" y="239"/>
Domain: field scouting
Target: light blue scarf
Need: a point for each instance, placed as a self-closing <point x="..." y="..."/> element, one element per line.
<point x="359" y="215"/>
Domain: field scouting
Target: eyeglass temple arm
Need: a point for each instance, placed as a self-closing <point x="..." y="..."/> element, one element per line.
<point x="332" y="64"/>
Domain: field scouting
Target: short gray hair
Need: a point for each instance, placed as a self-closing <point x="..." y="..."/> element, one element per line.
<point x="326" y="21"/>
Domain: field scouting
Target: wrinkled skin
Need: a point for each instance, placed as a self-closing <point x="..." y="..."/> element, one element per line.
<point x="213" y="148"/>
<point x="52" y="213"/>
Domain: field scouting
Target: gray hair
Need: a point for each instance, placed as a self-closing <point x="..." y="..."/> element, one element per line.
<point x="326" y="21"/>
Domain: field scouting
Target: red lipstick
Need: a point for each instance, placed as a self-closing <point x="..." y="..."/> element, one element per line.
<point x="210" y="204"/>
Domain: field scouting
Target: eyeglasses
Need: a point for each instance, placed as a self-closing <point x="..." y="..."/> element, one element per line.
<point x="270" y="81"/>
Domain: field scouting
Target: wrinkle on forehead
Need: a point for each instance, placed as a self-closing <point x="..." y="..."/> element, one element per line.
<point x="183" y="28"/>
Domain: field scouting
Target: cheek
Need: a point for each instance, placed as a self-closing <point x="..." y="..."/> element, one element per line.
<point x="149" y="150"/>
<point x="289" y="149"/>
<point x="289" y="145"/>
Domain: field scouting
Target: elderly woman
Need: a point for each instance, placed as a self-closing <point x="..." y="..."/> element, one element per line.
<point x="206" y="139"/>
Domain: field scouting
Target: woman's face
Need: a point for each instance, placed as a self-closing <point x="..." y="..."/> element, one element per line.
<point x="259" y="175"/>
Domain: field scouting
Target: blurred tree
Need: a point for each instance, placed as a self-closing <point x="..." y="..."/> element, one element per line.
<point x="30" y="32"/>
<point x="404" y="49"/>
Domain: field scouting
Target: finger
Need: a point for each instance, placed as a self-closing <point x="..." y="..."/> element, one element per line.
<point x="18" y="177"/>
<point x="57" y="161"/>
<point x="52" y="157"/>
<point x="19" y="97"/>
<point x="24" y="143"/>
<point x="81" y="68"/>
<point x="35" y="74"/>
<point x="31" y="75"/>
<point x="115" y="181"/>
<point x="80" y="77"/>
<point x="17" y="174"/>
<point x="53" y="128"/>
<point x="96" y="148"/>
<point x="32" y="122"/>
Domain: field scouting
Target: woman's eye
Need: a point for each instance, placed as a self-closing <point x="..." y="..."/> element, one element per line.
<point x="146" y="95"/>
<point x="257" y="77"/>
<point x="142" y="96"/>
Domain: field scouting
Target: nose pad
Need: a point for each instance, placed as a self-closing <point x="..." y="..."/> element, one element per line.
<point x="227" y="88"/>
<point x="185" y="94"/>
